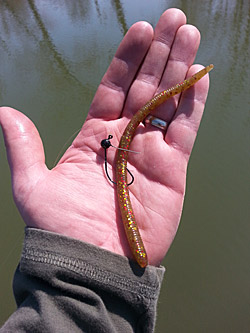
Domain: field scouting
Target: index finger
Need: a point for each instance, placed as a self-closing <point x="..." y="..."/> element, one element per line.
<point x="110" y="96"/>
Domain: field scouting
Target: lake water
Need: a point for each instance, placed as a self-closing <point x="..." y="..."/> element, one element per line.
<point x="53" y="56"/>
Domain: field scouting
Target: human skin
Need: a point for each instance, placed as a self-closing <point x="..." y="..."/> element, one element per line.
<point x="75" y="198"/>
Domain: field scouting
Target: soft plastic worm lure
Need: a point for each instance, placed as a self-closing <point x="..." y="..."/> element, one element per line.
<point x="128" y="218"/>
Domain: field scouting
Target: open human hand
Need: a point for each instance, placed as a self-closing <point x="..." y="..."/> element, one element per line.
<point x="75" y="198"/>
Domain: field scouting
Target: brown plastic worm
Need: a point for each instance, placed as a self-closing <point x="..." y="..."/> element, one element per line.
<point x="128" y="218"/>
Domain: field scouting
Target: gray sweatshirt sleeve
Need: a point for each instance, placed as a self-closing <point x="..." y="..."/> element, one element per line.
<point x="65" y="285"/>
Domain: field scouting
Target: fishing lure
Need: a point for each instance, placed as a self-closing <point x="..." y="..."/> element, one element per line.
<point x="128" y="218"/>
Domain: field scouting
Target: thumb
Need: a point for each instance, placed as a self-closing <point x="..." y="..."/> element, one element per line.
<point x="24" y="150"/>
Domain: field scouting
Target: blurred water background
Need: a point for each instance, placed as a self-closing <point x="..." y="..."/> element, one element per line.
<point x="53" y="55"/>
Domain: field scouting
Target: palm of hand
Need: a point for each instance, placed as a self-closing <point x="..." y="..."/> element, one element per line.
<point x="155" y="194"/>
<point x="75" y="198"/>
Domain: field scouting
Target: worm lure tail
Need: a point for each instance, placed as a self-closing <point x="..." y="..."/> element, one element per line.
<point x="128" y="218"/>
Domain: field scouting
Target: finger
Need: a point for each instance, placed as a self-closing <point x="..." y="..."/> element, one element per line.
<point x="151" y="72"/>
<point x="183" y="128"/>
<point x="110" y="96"/>
<point x="23" y="145"/>
<point x="181" y="57"/>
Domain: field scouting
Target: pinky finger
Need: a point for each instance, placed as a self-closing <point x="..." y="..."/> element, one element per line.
<point x="182" y="131"/>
